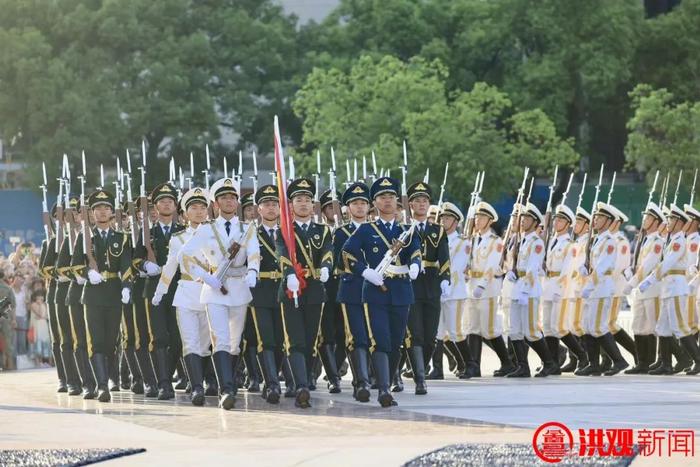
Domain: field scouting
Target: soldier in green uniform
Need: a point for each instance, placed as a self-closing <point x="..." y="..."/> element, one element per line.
<point x="314" y="255"/>
<point x="108" y="286"/>
<point x="164" y="337"/>
<point x="432" y="282"/>
<point x="250" y="338"/>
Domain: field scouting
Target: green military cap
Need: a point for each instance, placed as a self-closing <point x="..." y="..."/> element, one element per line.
<point x="301" y="186"/>
<point x="101" y="197"/>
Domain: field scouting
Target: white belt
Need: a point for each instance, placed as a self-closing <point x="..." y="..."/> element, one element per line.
<point x="393" y="269"/>
<point x="62" y="279"/>
<point x="238" y="271"/>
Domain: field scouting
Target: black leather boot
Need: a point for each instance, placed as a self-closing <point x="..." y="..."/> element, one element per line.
<point x="690" y="344"/>
<point x="268" y="364"/>
<point x="473" y="367"/>
<point x="113" y="370"/>
<point x="642" y="366"/>
<point x="549" y="366"/>
<point x="289" y="389"/>
<point x="683" y="360"/>
<point x="664" y="367"/>
<point x="60" y="370"/>
<point x="553" y="347"/>
<point x="627" y="343"/>
<point x="592" y="347"/>
<point x="607" y="342"/>
<point x="124" y="373"/>
<point x="438" y="354"/>
<point x="150" y="383"/>
<point x="223" y="363"/>
<point x="72" y="376"/>
<point x="236" y="362"/>
<point x="415" y="355"/>
<point x="162" y="367"/>
<point x="328" y="360"/>
<point x="195" y="373"/>
<point x="252" y="369"/>
<point x="457" y="351"/>
<point x="86" y="375"/>
<point x="396" y="359"/>
<point x="580" y="359"/>
<point x="297" y="362"/>
<point x="99" y="367"/>
<point x="380" y="361"/>
<point x="523" y="368"/>
<point x="360" y="368"/>
<point x="499" y="346"/>
<point x="211" y="386"/>
<point x="136" y="384"/>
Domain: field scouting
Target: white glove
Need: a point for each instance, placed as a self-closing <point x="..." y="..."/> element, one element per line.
<point x="511" y="277"/>
<point x="156" y="299"/>
<point x="293" y="283"/>
<point x="211" y="280"/>
<point x="445" y="287"/>
<point x="646" y="283"/>
<point x="523" y="298"/>
<point x="126" y="295"/>
<point x="693" y="270"/>
<point x="324" y="275"/>
<point x="586" y="291"/>
<point x="413" y="271"/>
<point x="251" y="279"/>
<point x="373" y="277"/>
<point x="556" y="297"/>
<point x="627" y="273"/>
<point x="478" y="291"/>
<point x="94" y="277"/>
<point x="583" y="270"/>
<point x="80" y="280"/>
<point x="152" y="269"/>
<point x="627" y="290"/>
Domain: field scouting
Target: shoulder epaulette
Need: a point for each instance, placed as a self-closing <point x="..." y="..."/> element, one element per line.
<point x="179" y="232"/>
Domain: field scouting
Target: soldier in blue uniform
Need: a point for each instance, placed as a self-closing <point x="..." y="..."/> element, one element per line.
<point x="386" y="295"/>
<point x="433" y="282"/>
<point x="356" y="198"/>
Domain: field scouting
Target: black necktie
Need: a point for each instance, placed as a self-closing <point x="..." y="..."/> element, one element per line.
<point x="554" y="244"/>
<point x="478" y="241"/>
<point x="304" y="227"/>
<point x="387" y="226"/>
<point x="104" y="236"/>
<point x="421" y="228"/>
<point x="228" y="227"/>
<point x="166" y="230"/>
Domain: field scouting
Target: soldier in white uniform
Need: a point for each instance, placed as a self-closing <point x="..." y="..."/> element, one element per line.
<point x="672" y="271"/>
<point x="556" y="304"/>
<point x="191" y="314"/>
<point x="646" y="306"/>
<point x="621" y="274"/>
<point x="225" y="294"/>
<point x="693" y="244"/>
<point x="524" y="308"/>
<point x="598" y="291"/>
<point x="484" y="286"/>
<point x="452" y="304"/>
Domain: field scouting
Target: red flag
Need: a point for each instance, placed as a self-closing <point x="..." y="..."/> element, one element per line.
<point x="286" y="225"/>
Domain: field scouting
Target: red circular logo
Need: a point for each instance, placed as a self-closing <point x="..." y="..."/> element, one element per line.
<point x="552" y="442"/>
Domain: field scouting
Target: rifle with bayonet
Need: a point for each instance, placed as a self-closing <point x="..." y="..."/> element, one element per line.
<point x="130" y="205"/>
<point x="612" y="186"/>
<point x="337" y="213"/>
<point x="85" y="227"/>
<point x="514" y="221"/>
<point x="60" y="226"/>
<point x="255" y="185"/>
<point x="119" y="200"/>
<point x="678" y="187"/>
<point x="547" y="224"/>
<point x="317" y="179"/>
<point x="69" y="211"/>
<point x="471" y="214"/>
<point x="589" y="242"/>
<point x="143" y="202"/>
<point x="404" y="187"/>
<point x="641" y="235"/>
<point x="45" y="215"/>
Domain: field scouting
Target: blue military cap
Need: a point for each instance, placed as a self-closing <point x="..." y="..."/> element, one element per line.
<point x="357" y="190"/>
<point x="384" y="185"/>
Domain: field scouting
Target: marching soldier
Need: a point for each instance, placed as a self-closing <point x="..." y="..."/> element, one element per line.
<point x="332" y="320"/>
<point x="165" y="344"/>
<point x="450" y="329"/>
<point x="265" y="308"/>
<point x="356" y="198"/>
<point x="431" y="284"/>
<point x="107" y="288"/>
<point x="250" y="340"/>
<point x="386" y="295"/>
<point x="483" y="288"/>
<point x="233" y="256"/>
<point x="47" y="265"/>
<point x="556" y="302"/>
<point x="524" y="319"/>
<point x="693" y="244"/>
<point x="674" y="319"/>
<point x="63" y="275"/>
<point x="314" y="255"/>
<point x="597" y="292"/>
<point x="647" y="305"/>
<point x="191" y="314"/>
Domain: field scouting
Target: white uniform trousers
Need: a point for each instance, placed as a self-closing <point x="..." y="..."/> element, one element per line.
<point x="673" y="320"/>
<point x="614" y="312"/>
<point x="524" y="320"/>
<point x="226" y="324"/>
<point x="194" y="331"/>
<point x="575" y="314"/>
<point x="693" y="315"/>
<point x="645" y="314"/>
<point x="596" y="316"/>
<point x="451" y="325"/>
<point x="484" y="318"/>
<point x="555" y="317"/>
<point x="503" y="308"/>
